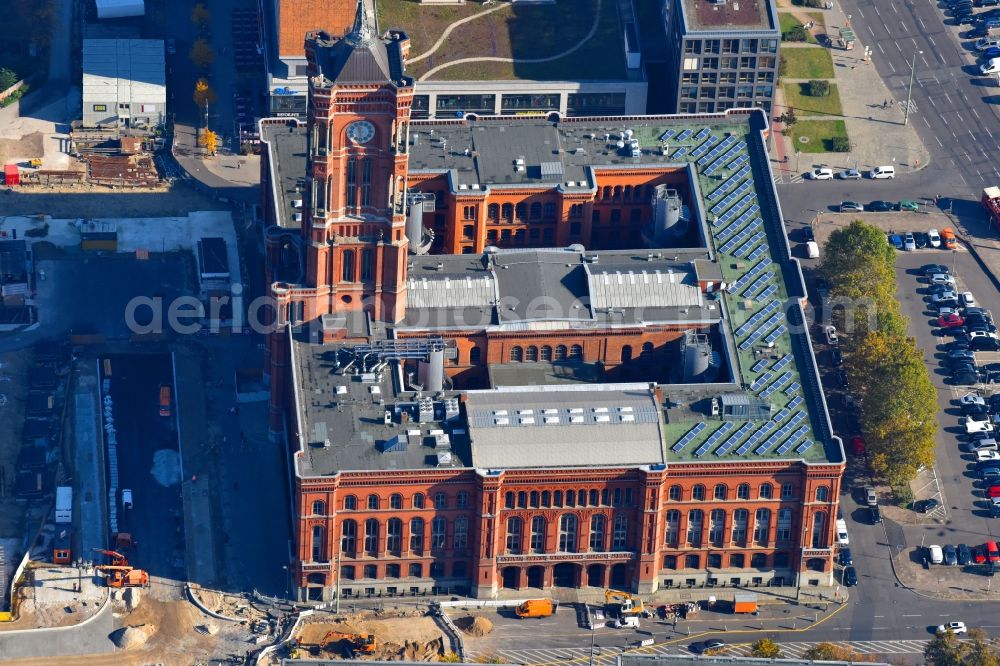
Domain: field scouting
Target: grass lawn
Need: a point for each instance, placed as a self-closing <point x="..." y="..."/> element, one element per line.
<point x="515" y="31"/>
<point x="787" y="21"/>
<point x="797" y="97"/>
<point x="806" y="62"/>
<point x="819" y="132"/>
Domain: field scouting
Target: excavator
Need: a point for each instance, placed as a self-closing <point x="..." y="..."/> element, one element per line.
<point x="628" y="604"/>
<point x="120" y="573"/>
<point x="355" y="643"/>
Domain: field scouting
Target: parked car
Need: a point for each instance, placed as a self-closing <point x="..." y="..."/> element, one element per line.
<point x="987" y="456"/>
<point x="880" y="206"/>
<point x="967" y="299"/>
<point x="991" y="52"/>
<point x="851" y="207"/>
<point x="909" y="204"/>
<point x="830" y="332"/>
<point x="950" y="555"/>
<point x="926" y="505"/>
<point x="807" y="234"/>
<point x="950" y="321"/>
<point x="972" y="426"/>
<point x="842" y="537"/>
<point x="984" y="43"/>
<point x="932" y="269"/>
<point x="858" y="445"/>
<point x="942" y="278"/>
<point x="821" y="174"/>
<point x="845" y="557"/>
<point x="972" y="399"/>
<point x="920" y="239"/>
<point x="991" y="66"/>
<point x="935" y="554"/>
<point x="964" y="554"/>
<point x="934" y="238"/>
<point x="875" y="515"/>
<point x="909" y="242"/>
<point x="952" y="627"/>
<point x="850" y="577"/>
<point x="849" y="174"/>
<point x="836" y="358"/>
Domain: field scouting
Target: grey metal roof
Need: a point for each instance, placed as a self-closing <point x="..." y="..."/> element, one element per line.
<point x="536" y="284"/>
<point x="127" y="70"/>
<point x="451" y="292"/>
<point x="642" y="289"/>
<point x="564" y="426"/>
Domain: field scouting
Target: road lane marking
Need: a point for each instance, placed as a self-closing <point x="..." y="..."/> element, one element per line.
<point x="931" y="40"/>
<point x="877" y="11"/>
<point x="931" y="100"/>
<point x="901" y="24"/>
<point x="987" y="130"/>
<point x="959" y="116"/>
<point x="870" y="30"/>
<point x="904" y="615"/>
<point x="860" y="13"/>
<point x="944" y="120"/>
<point x="975" y="113"/>
<point x="924" y="118"/>
<point x="924" y="60"/>
<point x="893" y="5"/>
<point x="881" y="49"/>
<point x="898" y="47"/>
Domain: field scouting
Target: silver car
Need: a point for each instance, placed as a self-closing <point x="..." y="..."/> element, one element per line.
<point x="908" y="241"/>
<point x="849" y="174"/>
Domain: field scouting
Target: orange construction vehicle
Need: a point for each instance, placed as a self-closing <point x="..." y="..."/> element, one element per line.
<point x="355" y="643"/>
<point x="119" y="572"/>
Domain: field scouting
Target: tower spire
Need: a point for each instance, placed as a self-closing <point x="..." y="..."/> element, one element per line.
<point x="361" y="32"/>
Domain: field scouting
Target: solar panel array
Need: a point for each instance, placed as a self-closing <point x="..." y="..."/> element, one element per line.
<point x="804" y="446"/>
<point x="750" y="244"/>
<point x="715" y="437"/>
<point x="780" y="434"/>
<point x="666" y="135"/>
<point x="757" y="318"/>
<point x="775" y="334"/>
<point x="717" y="164"/>
<point x="726" y="143"/>
<point x="793" y="440"/>
<point x="760" y="381"/>
<point x="735" y="210"/>
<point x="793" y="387"/>
<point x="737" y="179"/>
<point x="758" y="284"/>
<point x="704" y="132"/>
<point x="745" y="279"/>
<point x="749" y="231"/>
<point x="759" y="331"/>
<point x="776" y="384"/>
<point x="689" y="437"/>
<point x="700" y="150"/>
<point x="759" y="365"/>
<point x="685" y="135"/>
<point x="735" y="438"/>
<point x="680" y="152"/>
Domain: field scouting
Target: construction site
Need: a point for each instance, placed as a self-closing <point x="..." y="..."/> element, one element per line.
<point x="408" y="635"/>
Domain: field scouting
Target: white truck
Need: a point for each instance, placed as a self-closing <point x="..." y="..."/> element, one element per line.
<point x="64" y="505"/>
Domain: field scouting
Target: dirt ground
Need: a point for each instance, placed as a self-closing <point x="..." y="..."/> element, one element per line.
<point x="14" y="387"/>
<point x="229" y="605"/>
<point x="412" y="637"/>
<point x="95" y="201"/>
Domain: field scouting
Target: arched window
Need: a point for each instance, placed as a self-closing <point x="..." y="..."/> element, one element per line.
<point x="743" y="491"/>
<point x="758" y="561"/>
<point x="350" y="503"/>
<point x="822" y="494"/>
<point x="819" y="530"/>
<point x="367" y="264"/>
<point x="347" y="268"/>
<point x="594" y="501"/>
<point x="576" y="351"/>
<point x="417" y="536"/>
<point x="373" y="501"/>
<point x="348" y="537"/>
<point x="696" y="518"/>
<point x="533" y="499"/>
<point x="557" y="498"/>
<point x="618" y="192"/>
<point x="546" y="353"/>
<point x="581" y="497"/>
<point x="516" y="354"/>
<point x="716" y="527"/>
<point x="673" y="528"/>
<point x="674" y="494"/>
<point x="721" y="492"/>
<point x="475" y="356"/>
<point x="626" y="353"/>
<point x="560" y="353"/>
<point x="546" y="498"/>
<point x="392" y="571"/>
<point x="371" y="537"/>
<point x="647" y="349"/>
<point x="619" y="537"/>
<point x="394" y="536"/>
<point x="522" y="500"/>
<point x="508" y="500"/>
<point x="538" y="534"/>
<point x="439" y="527"/>
<point x="606" y="192"/>
<point x="536" y="210"/>
<point x="521" y="211"/>
<point x="461" y="539"/>
<point x="395" y="501"/>
<point x="761" y="527"/>
<point x="567" y="533"/>
<point x="493" y="211"/>
<point x="766" y="491"/>
<point x="319" y="508"/>
<point x="418" y="501"/>
<point x="507" y="211"/>
<point x="531" y="354"/>
<point x="741" y="518"/>
<point x="698" y="492"/>
<point x="514" y="531"/>
<point x="598" y="532"/>
<point x="318" y="543"/>
<point x="628" y="192"/>
<point x="440" y="501"/>
<point x="570" y="498"/>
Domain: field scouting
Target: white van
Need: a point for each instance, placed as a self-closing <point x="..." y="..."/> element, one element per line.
<point x="842" y="538"/>
<point x="126" y="498"/>
<point x="627" y="621"/>
<point x="880" y="172"/>
<point x="812" y="249"/>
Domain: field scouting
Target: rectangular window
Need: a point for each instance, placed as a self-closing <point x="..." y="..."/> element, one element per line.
<point x="517" y="103"/>
<point x="710" y="79"/>
<point x="419" y="107"/>
<point x="352" y="182"/>
<point x="711" y="46"/>
<point x="482" y="104"/>
<point x="787" y="491"/>
<point x="462" y="500"/>
<point x="690" y="78"/>
<point x="690" y="64"/>
<point x="689" y="92"/>
<point x="706" y="107"/>
<point x="595" y="104"/>
<point x="730" y="45"/>
<point x="748" y="62"/>
<point x="729" y="63"/>
<point x="692" y="47"/>
<point x="619" y="538"/>
<point x="103" y="108"/>
<point x="749" y="46"/>
<point x="438" y="527"/>
<point x="366" y="182"/>
<point x="469" y="213"/>
<point x="710" y="63"/>
<point x="616" y="215"/>
<point x="727" y="77"/>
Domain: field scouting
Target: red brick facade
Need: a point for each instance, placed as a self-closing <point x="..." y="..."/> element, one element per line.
<point x="635" y="529"/>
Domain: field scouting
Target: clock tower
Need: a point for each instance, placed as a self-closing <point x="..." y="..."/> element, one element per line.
<point x="354" y="217"/>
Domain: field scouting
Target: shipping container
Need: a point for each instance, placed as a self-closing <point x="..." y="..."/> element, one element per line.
<point x="64" y="505"/>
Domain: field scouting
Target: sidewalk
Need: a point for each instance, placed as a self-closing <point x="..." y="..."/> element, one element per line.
<point x="877" y="134"/>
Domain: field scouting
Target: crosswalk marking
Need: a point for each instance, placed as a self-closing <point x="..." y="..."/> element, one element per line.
<point x="607" y="655"/>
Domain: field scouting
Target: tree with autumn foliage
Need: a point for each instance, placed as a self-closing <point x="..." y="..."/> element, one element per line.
<point x="898" y="401"/>
<point x="209" y="140"/>
<point x="765" y="648"/>
<point x="202" y="54"/>
<point x="200" y="15"/>
<point x="203" y="94"/>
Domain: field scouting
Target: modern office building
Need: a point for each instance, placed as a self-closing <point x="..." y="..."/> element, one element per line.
<point x="513" y="353"/>
<point x="720" y="55"/>
<point x="124" y="83"/>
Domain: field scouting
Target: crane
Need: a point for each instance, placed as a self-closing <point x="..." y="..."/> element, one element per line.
<point x="117" y="559"/>
<point x="630" y="604"/>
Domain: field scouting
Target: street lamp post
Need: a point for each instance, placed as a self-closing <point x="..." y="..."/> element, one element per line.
<point x="288" y="578"/>
<point x="909" y="89"/>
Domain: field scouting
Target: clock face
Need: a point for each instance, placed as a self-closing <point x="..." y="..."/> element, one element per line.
<point x="361" y="131"/>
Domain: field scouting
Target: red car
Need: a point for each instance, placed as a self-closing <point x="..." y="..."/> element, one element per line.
<point x="992" y="551"/>
<point x="993" y="491"/>
<point x="858" y="444"/>
<point x="950" y="321"/>
<point x="979" y="554"/>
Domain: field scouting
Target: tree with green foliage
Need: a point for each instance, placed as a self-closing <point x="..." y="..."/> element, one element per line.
<point x="830" y="652"/>
<point x="765" y="648"/>
<point x="38" y="18"/>
<point x="7" y="78"/>
<point x="840" y="144"/>
<point x="946" y="650"/>
<point x="797" y="33"/>
<point x="818" y="88"/>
